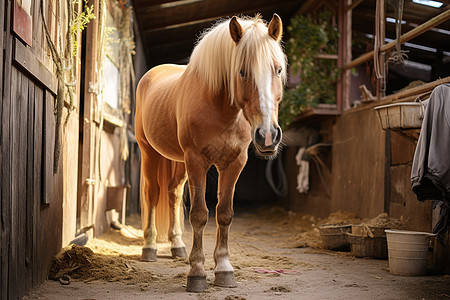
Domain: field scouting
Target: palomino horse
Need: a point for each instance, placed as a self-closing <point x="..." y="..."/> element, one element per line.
<point x="207" y="113"/>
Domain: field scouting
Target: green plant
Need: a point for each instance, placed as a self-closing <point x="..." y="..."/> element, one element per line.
<point x="310" y="37"/>
<point x="80" y="21"/>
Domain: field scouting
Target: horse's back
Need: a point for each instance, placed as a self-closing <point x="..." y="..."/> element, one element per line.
<point x="155" y="123"/>
<point x="157" y="75"/>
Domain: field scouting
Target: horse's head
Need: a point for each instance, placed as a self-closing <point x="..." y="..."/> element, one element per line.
<point x="258" y="79"/>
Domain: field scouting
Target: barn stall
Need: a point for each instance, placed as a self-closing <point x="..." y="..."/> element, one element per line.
<point x="355" y="166"/>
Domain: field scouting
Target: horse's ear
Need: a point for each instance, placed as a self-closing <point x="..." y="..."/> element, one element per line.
<point x="236" y="30"/>
<point x="276" y="28"/>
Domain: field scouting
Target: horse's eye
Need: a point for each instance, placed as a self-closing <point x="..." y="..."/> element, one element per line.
<point x="242" y="73"/>
<point x="279" y="71"/>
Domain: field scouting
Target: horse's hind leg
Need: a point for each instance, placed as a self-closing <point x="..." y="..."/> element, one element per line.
<point x="176" y="188"/>
<point x="149" y="199"/>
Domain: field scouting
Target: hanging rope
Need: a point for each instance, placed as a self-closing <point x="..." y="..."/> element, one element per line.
<point x="377" y="42"/>
<point x="398" y="56"/>
<point x="281" y="189"/>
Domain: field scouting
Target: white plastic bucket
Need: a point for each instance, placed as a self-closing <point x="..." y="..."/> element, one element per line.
<point x="408" y="252"/>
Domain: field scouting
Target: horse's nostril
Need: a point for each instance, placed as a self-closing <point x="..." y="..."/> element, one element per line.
<point x="277" y="136"/>
<point x="259" y="132"/>
<point x="259" y="136"/>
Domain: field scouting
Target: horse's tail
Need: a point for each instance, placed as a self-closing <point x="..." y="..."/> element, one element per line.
<point x="166" y="171"/>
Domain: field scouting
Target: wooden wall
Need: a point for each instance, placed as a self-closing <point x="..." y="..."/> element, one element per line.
<point x="31" y="199"/>
<point x="31" y="195"/>
<point x="370" y="172"/>
<point x="359" y="163"/>
<point x="402" y="201"/>
<point x="318" y="199"/>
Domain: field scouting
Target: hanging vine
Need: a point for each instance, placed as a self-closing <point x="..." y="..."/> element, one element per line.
<point x="64" y="64"/>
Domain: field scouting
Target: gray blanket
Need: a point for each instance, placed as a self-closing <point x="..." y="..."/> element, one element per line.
<point x="430" y="174"/>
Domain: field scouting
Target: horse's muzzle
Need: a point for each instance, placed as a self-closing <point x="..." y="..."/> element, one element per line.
<point x="266" y="143"/>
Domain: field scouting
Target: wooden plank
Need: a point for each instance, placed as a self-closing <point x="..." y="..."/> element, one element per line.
<point x="404" y="201"/>
<point x="3" y="258"/>
<point x="402" y="148"/>
<point x="404" y="38"/>
<point x="6" y="154"/>
<point x="14" y="144"/>
<point x="30" y="185"/>
<point x="28" y="61"/>
<point x="49" y="145"/>
<point x="87" y="164"/>
<point x="21" y="183"/>
<point x="2" y="21"/>
<point x="22" y="24"/>
<point x="358" y="144"/>
<point x="37" y="179"/>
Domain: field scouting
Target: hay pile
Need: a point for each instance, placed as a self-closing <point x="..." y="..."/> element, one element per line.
<point x="340" y="218"/>
<point x="82" y="264"/>
<point x="383" y="220"/>
<point x="311" y="238"/>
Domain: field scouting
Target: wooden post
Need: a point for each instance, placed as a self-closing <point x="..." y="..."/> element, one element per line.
<point x="87" y="180"/>
<point x="344" y="53"/>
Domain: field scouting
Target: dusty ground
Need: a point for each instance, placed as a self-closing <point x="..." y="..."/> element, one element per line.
<point x="268" y="266"/>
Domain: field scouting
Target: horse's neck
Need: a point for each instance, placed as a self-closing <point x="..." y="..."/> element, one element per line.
<point x="216" y="100"/>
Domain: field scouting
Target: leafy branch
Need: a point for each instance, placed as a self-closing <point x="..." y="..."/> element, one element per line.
<point x="310" y="37"/>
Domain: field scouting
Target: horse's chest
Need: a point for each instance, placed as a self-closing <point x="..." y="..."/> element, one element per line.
<point x="225" y="144"/>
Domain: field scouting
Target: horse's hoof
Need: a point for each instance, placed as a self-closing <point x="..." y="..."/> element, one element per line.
<point x="148" y="254"/>
<point x="225" y="279"/>
<point x="196" y="284"/>
<point x="179" y="252"/>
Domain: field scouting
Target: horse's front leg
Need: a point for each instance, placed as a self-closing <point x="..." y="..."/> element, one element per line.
<point x="228" y="176"/>
<point x="198" y="216"/>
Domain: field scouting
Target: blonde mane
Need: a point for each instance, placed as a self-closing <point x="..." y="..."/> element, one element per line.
<point x="218" y="60"/>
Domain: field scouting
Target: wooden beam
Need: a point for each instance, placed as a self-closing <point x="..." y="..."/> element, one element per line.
<point x="404" y="38"/>
<point x="198" y="12"/>
<point x="354" y="4"/>
<point x="431" y="38"/>
<point x="416" y="90"/>
<point x="327" y="56"/>
<point x="305" y="7"/>
<point x="148" y="3"/>
<point x="32" y="65"/>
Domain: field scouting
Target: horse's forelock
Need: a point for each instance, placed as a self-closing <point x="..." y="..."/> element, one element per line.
<point x="218" y="60"/>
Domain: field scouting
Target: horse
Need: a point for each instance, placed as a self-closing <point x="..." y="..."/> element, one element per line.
<point x="206" y="113"/>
